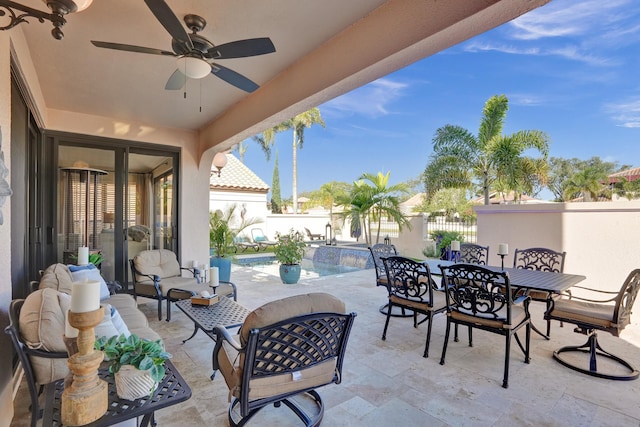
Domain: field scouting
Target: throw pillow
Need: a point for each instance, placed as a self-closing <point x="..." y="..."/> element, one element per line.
<point x="80" y="273"/>
<point x="106" y="327"/>
<point x="118" y="323"/>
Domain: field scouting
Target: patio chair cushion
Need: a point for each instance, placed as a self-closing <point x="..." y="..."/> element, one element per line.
<point x="285" y="308"/>
<point x="42" y="322"/>
<point x="518" y="315"/>
<point x="231" y="370"/>
<point x="159" y="262"/>
<point x="270" y="313"/>
<point x="588" y="312"/>
<point x="439" y="302"/>
<point x="58" y="277"/>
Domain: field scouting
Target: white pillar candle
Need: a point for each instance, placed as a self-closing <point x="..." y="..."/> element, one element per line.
<point x="69" y="331"/>
<point x="194" y="264"/>
<point x="503" y="249"/>
<point x="455" y="245"/>
<point x="83" y="255"/>
<point x="85" y="296"/>
<point x="215" y="277"/>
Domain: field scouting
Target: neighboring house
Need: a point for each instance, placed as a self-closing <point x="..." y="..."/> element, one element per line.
<point x="625" y="175"/>
<point x="407" y="207"/>
<point x="238" y="184"/>
<point x="498" y="198"/>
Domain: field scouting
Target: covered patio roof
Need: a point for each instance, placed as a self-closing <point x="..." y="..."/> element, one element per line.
<point x="323" y="49"/>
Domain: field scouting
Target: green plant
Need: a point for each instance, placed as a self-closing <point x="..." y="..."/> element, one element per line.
<point x="444" y="238"/>
<point x="96" y="258"/>
<point x="290" y="248"/>
<point x="221" y="233"/>
<point x="142" y="354"/>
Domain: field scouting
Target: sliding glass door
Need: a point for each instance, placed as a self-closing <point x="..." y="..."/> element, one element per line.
<point x="117" y="200"/>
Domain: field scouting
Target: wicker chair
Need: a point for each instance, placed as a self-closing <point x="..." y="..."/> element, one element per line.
<point x="606" y="311"/>
<point x="481" y="298"/>
<point x="284" y="351"/>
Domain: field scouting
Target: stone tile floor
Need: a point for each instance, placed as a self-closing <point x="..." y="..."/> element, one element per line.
<point x="390" y="383"/>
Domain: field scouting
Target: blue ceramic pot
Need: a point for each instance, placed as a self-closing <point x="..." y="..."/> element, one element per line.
<point x="224" y="267"/>
<point x="290" y="273"/>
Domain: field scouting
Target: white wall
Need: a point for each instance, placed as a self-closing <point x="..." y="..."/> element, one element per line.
<point x="601" y="239"/>
<point x="255" y="204"/>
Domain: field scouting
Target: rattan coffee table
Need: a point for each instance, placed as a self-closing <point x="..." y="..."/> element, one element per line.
<point x="225" y="312"/>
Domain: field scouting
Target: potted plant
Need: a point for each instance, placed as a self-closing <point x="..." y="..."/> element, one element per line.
<point x="289" y="252"/>
<point x="443" y="240"/>
<point x="137" y="364"/>
<point x="222" y="235"/>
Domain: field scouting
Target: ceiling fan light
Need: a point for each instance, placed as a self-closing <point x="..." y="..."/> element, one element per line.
<point x="220" y="160"/>
<point x="67" y="6"/>
<point x="194" y="68"/>
<point x="82" y="4"/>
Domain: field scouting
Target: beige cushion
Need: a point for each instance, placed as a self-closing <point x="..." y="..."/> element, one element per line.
<point x="159" y="262"/>
<point x="186" y="283"/>
<point x="58" y="277"/>
<point x="439" y="302"/>
<point x="231" y="362"/>
<point x="285" y="308"/>
<point x="42" y="327"/>
<point x="518" y="315"/>
<point x="586" y="312"/>
<point x="314" y="376"/>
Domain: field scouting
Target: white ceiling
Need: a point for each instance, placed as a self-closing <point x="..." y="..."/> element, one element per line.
<point x="323" y="48"/>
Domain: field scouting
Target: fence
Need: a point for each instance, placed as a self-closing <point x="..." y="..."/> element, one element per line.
<point x="468" y="229"/>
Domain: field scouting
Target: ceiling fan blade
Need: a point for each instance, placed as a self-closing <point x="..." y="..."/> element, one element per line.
<point x="131" y="48"/>
<point x="176" y="81"/>
<point x="233" y="78"/>
<point x="170" y="22"/>
<point x="242" y="49"/>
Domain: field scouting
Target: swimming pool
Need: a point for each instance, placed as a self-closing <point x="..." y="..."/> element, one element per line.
<point x="310" y="269"/>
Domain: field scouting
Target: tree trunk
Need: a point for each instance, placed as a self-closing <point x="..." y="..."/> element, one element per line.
<point x="295" y="172"/>
<point x="485" y="187"/>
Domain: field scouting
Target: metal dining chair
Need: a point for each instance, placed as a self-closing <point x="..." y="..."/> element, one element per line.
<point x="411" y="287"/>
<point x="540" y="259"/>
<point x="481" y="298"/>
<point x="604" y="311"/>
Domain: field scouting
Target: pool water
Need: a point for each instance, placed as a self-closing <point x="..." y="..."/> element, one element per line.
<point x="310" y="269"/>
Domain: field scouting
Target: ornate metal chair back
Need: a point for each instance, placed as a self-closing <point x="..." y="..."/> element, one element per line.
<point x="476" y="291"/>
<point x="409" y="279"/>
<point x="379" y="251"/>
<point x="471" y="253"/>
<point x="541" y="259"/>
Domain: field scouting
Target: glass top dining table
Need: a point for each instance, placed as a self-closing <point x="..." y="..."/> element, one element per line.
<point x="526" y="279"/>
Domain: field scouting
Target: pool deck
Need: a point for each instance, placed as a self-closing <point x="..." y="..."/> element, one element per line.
<point x="390" y="383"/>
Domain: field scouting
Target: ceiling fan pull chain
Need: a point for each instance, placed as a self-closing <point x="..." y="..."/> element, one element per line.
<point x="200" y="95"/>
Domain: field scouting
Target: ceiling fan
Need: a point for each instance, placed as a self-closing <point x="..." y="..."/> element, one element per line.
<point x="195" y="53"/>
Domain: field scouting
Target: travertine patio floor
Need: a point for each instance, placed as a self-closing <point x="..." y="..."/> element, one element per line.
<point x="389" y="383"/>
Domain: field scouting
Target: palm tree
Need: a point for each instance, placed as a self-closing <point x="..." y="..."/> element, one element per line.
<point x="367" y="203"/>
<point x="587" y="183"/>
<point x="298" y="123"/>
<point x="460" y="157"/>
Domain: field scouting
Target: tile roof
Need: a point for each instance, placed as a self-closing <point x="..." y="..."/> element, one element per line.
<point x="629" y="175"/>
<point x="236" y="176"/>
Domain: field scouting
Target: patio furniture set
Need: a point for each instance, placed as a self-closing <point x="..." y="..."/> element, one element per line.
<point x="289" y="347"/>
<point x="496" y="299"/>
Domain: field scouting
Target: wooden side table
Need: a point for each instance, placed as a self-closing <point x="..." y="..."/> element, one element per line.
<point x="172" y="389"/>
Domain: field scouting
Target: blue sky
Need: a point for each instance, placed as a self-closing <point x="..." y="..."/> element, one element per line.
<point x="570" y="68"/>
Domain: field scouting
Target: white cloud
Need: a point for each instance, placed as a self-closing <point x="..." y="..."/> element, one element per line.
<point x="625" y="113"/>
<point x="526" y="99"/>
<point x="372" y="100"/>
<point x="563" y="18"/>
<point x="568" y="52"/>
